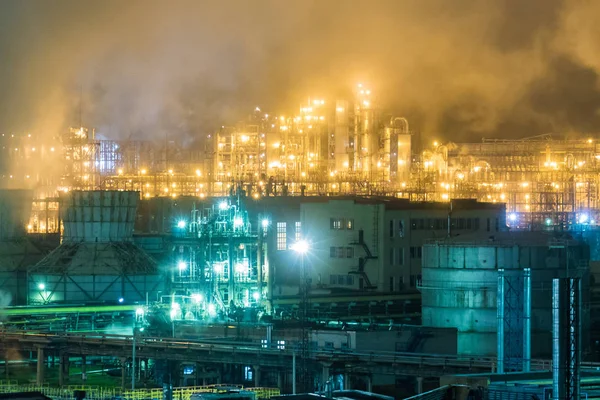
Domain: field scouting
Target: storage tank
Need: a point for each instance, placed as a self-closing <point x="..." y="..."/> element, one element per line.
<point x="459" y="284"/>
<point x="97" y="259"/>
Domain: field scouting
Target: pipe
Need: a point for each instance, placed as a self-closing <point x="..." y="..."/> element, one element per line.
<point x="556" y="367"/>
<point x="294" y="373"/>
<point x="500" y="315"/>
<point x="527" y="320"/>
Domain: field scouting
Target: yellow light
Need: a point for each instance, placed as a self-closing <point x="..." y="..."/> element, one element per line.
<point x="282" y="118"/>
<point x="346" y="164"/>
<point x="166" y="190"/>
<point x="526" y="197"/>
<point x="33" y="149"/>
<point x="322" y="118"/>
<point x="340" y="109"/>
<point x="477" y="169"/>
<point x="525" y="184"/>
<point x="52" y="149"/>
<point x="173" y="185"/>
<point x="460" y="176"/>
<point x="147" y="185"/>
<point x="147" y="195"/>
<point x="202" y="195"/>
<point x="29" y="227"/>
<point x="276" y="145"/>
<point x="173" y="195"/>
<point x="120" y="171"/>
<point x="333" y="186"/>
<point x="198" y="172"/>
<point x="502" y="196"/>
<point x="303" y="174"/>
<point x="256" y="195"/>
<point x="245" y="138"/>
<point x="366" y="103"/>
<point x="143" y="171"/>
<point x="445" y="196"/>
<point x="590" y="140"/>
<point x="359" y="85"/>
<point x="284" y="128"/>
<point x="368" y="92"/>
<point x="435" y="144"/>
<point x="171" y="171"/>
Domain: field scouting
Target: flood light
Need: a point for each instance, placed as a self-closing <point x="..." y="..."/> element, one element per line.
<point x="181" y="224"/>
<point x="41" y="286"/>
<point x="181" y="265"/>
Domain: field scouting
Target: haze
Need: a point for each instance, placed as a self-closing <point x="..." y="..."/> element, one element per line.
<point x="459" y="70"/>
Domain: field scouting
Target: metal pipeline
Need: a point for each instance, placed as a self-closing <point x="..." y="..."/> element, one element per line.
<point x="526" y="319"/>
<point x="500" y="315"/>
<point x="557" y="375"/>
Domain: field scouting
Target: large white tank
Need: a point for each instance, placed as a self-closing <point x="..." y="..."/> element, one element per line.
<point x="460" y="277"/>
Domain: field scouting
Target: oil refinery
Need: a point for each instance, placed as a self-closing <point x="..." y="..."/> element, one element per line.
<point x="322" y="251"/>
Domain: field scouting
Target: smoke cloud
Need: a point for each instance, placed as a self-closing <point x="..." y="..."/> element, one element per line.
<point x="459" y="70"/>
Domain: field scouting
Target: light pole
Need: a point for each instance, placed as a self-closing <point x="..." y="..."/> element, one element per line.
<point x="301" y="247"/>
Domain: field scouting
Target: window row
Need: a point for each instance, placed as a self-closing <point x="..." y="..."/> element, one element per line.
<point x="396" y="256"/>
<point x="282" y="234"/>
<point x="341" y="252"/>
<point x="442" y="223"/>
<point x="341" y="280"/>
<point x="341" y="223"/>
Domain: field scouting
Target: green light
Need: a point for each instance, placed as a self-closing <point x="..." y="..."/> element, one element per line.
<point x="548" y="221"/>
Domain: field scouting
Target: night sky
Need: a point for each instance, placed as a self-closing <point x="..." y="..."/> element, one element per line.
<point x="459" y="69"/>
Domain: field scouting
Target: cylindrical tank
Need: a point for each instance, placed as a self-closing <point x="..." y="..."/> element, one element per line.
<point x="15" y="209"/>
<point x="98" y="216"/>
<point x="460" y="281"/>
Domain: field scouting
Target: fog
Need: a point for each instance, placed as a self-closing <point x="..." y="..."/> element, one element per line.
<point x="459" y="70"/>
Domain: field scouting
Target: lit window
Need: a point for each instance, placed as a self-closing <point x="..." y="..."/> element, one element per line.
<point x="281" y="236"/>
<point x="298" y="231"/>
<point x="335" y="223"/>
<point x="349" y="224"/>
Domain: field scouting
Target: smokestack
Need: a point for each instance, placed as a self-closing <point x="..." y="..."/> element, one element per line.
<point x="566" y="338"/>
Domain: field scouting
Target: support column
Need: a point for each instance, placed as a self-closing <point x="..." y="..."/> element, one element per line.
<point x="257" y="376"/>
<point x="6" y="370"/>
<point x="325" y="373"/>
<point x="63" y="369"/>
<point x="347" y="385"/>
<point x="279" y="379"/>
<point x="419" y="384"/>
<point x="83" y="368"/>
<point x="39" y="379"/>
<point x="123" y="372"/>
<point x="294" y="373"/>
<point x="369" y="383"/>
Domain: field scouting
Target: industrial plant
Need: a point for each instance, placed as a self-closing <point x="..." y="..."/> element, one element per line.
<point x="328" y="251"/>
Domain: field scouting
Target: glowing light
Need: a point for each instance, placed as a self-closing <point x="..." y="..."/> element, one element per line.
<point x="139" y="312"/>
<point x="276" y="145"/>
<point x="512" y="217"/>
<point x="300" y="246"/>
<point x="143" y="172"/>
<point x="366" y="103"/>
<point x="435" y="144"/>
<point x="41" y="286"/>
<point x="181" y="224"/>
<point x="238" y="221"/>
<point x="121" y="299"/>
<point x="445" y="196"/>
<point x="340" y="109"/>
<point x="256" y="196"/>
<point x="198" y="173"/>
<point x="120" y="171"/>
<point x="548" y="221"/>
<point x="461" y="176"/>
<point x="223" y="205"/>
<point x="212" y="310"/>
<point x="182" y="265"/>
<point x="256" y="296"/>
<point x="583" y="218"/>
<point x="197" y="297"/>
<point x="245" y="138"/>
<point x="265" y="223"/>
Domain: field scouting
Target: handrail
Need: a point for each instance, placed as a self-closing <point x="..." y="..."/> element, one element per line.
<point x="393" y="357"/>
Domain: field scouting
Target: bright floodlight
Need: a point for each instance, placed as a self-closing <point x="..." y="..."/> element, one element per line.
<point x="238" y="221"/>
<point x="512" y="217"/>
<point x="181" y="224"/>
<point x="548" y="221"/>
<point x="265" y="223"/>
<point x="41" y="286"/>
<point x="583" y="218"/>
<point x="197" y="297"/>
<point x="212" y="310"/>
<point x="256" y="296"/>
<point x="300" y="246"/>
<point x="182" y="265"/>
<point x="223" y="205"/>
<point x="139" y="312"/>
<point x="121" y="299"/>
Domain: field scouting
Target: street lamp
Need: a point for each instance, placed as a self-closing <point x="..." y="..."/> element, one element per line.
<point x="301" y="247"/>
